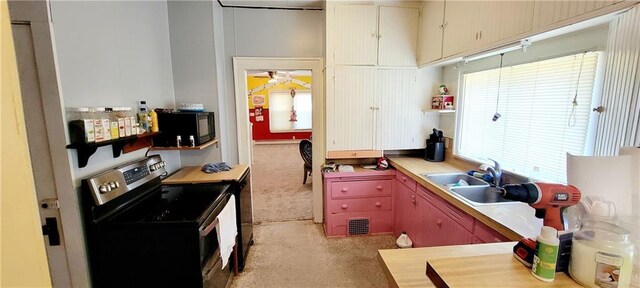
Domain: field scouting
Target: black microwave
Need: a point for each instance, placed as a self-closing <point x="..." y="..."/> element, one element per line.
<point x="200" y="125"/>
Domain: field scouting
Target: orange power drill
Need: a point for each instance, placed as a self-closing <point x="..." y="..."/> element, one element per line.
<point x="549" y="200"/>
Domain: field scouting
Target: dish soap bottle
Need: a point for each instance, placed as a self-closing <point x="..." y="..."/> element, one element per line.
<point x="154" y="121"/>
<point x="403" y="241"/>
<point x="143" y="117"/>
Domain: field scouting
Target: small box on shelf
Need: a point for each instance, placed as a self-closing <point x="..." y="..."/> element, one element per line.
<point x="442" y="102"/>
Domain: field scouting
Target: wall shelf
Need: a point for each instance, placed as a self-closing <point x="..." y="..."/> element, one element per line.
<point x="199" y="147"/>
<point x="86" y="150"/>
<point x="438" y="111"/>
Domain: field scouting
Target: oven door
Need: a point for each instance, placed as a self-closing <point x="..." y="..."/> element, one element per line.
<point x="213" y="274"/>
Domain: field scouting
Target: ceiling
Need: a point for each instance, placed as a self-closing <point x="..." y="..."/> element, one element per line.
<point x="300" y="4"/>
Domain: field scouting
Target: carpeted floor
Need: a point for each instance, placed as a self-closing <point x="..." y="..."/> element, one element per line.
<point x="297" y="254"/>
<point x="278" y="192"/>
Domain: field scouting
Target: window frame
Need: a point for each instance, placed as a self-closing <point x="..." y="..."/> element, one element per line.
<point x="306" y="91"/>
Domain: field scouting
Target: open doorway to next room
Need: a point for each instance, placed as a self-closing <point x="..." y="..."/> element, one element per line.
<point x="280" y="113"/>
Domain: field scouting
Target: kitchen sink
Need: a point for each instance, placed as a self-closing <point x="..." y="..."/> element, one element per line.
<point x="481" y="195"/>
<point x="448" y="179"/>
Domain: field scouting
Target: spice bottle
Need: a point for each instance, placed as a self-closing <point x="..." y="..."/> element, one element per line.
<point x="154" y="121"/>
<point x="96" y="114"/>
<point x="113" y="123"/>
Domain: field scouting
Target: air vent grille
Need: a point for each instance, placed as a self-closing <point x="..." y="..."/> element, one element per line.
<point x="359" y="226"/>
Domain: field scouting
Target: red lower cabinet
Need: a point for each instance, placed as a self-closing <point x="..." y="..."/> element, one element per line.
<point x="484" y="234"/>
<point x="358" y="203"/>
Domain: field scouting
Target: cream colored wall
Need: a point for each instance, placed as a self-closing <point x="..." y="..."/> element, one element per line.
<point x="23" y="259"/>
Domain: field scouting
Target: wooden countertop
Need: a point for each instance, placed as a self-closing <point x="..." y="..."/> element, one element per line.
<point x="194" y="175"/>
<point x="514" y="220"/>
<point x="408" y="267"/>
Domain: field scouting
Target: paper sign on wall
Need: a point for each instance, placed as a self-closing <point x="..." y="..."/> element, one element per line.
<point x="258" y="100"/>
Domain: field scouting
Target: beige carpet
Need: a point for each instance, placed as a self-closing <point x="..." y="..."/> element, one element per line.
<point x="297" y="254"/>
<point x="278" y="192"/>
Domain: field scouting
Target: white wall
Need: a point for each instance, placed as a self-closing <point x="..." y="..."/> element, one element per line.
<point x="195" y="62"/>
<point x="113" y="53"/>
<point x="576" y="42"/>
<point x="265" y="33"/>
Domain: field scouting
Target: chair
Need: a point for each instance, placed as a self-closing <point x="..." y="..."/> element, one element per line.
<point x="305" y="152"/>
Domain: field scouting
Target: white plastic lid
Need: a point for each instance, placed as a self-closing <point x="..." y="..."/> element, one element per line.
<point x="548" y="232"/>
<point x="98" y="109"/>
<point x="78" y="109"/>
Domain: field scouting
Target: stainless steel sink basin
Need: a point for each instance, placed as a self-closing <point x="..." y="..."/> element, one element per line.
<point x="447" y="179"/>
<point x="481" y="195"/>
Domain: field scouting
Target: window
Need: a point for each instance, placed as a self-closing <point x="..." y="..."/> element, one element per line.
<point x="539" y="123"/>
<point x="280" y="104"/>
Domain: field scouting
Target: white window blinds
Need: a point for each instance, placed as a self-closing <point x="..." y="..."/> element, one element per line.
<point x="539" y="123"/>
<point x="280" y="104"/>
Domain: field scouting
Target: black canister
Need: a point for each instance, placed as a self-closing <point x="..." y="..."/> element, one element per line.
<point x="434" y="151"/>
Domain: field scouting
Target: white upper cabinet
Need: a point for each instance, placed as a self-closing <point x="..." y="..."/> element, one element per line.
<point x="371" y="108"/>
<point x="355" y="34"/>
<point x="398" y="36"/>
<point x="460" y="27"/>
<point x="551" y="12"/>
<point x="472" y="24"/>
<point x="369" y="35"/>
<point x="431" y="29"/>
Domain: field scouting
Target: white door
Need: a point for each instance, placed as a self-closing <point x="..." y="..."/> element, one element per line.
<point x="398" y="33"/>
<point x="430" y="37"/>
<point x="350" y="124"/>
<point x="355" y="35"/>
<point x="550" y="12"/>
<point x="397" y="109"/>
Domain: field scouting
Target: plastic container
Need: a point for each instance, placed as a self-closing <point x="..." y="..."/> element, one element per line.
<point x="120" y="116"/>
<point x="80" y="125"/>
<point x="601" y="255"/>
<point x="113" y="123"/>
<point x="546" y="255"/>
<point x="404" y="242"/>
<point x="192" y="141"/>
<point x="154" y="121"/>
<point x="143" y="117"/>
<point x="178" y="141"/>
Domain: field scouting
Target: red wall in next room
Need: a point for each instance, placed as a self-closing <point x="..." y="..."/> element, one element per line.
<point x="261" y="129"/>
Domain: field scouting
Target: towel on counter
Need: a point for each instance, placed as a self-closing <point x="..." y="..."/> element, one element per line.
<point x="216" y="167"/>
<point x="227" y="230"/>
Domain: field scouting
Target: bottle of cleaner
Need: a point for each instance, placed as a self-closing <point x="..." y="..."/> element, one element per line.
<point x="403" y="241"/>
<point x="143" y="116"/>
<point x="546" y="254"/>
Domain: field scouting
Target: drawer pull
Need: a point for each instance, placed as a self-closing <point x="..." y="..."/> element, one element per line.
<point x="379" y="187"/>
<point x="439" y="222"/>
<point x="345" y="189"/>
<point x="378" y="204"/>
<point x="354" y="154"/>
<point x="345" y="206"/>
<point x="404" y="179"/>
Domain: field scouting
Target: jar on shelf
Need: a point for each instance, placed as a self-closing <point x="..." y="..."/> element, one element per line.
<point x="113" y="123"/>
<point x="98" y="123"/>
<point x="119" y="118"/>
<point x="80" y="125"/>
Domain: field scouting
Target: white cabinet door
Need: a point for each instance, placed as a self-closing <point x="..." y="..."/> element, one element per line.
<point x="397" y="109"/>
<point x="355" y="34"/>
<point x="430" y="32"/>
<point x="350" y="108"/>
<point x="398" y="33"/>
<point x="550" y="12"/>
<point x="500" y="20"/>
<point x="460" y="27"/>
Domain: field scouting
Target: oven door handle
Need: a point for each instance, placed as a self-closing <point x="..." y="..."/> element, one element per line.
<point x="206" y="230"/>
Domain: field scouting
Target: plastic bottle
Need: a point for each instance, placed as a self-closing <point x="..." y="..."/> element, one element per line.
<point x="143" y="116"/>
<point x="178" y="141"/>
<point x="403" y="241"/>
<point x="192" y="141"/>
<point x="113" y="123"/>
<point x="546" y="255"/>
<point x="154" y="121"/>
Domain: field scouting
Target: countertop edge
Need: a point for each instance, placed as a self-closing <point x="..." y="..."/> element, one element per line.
<point x="182" y="176"/>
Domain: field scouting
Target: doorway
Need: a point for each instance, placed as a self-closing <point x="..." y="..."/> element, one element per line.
<point x="243" y="68"/>
<point x="280" y="113"/>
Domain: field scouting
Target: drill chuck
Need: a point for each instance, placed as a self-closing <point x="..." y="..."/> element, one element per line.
<point x="527" y="193"/>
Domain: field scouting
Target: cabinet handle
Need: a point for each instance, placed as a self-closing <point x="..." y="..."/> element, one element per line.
<point x="404" y="179"/>
<point x="379" y="36"/>
<point x="374" y="35"/>
<point x="379" y="187"/>
<point x="354" y="154"/>
<point x="439" y="223"/>
<point x="480" y="34"/>
<point x="345" y="189"/>
<point x="378" y="204"/>
<point x="476" y="35"/>
<point x="345" y="206"/>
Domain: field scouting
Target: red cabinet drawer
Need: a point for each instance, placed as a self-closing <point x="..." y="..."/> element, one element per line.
<point x="360" y="205"/>
<point x="463" y="219"/>
<point x="406" y="180"/>
<point x="353" y="189"/>
<point x="337" y="225"/>
<point x="488" y="235"/>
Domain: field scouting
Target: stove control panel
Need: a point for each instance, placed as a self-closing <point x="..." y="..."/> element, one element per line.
<point x="109" y="185"/>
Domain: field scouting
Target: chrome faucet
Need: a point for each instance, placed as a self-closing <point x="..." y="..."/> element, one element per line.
<point x="495" y="172"/>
